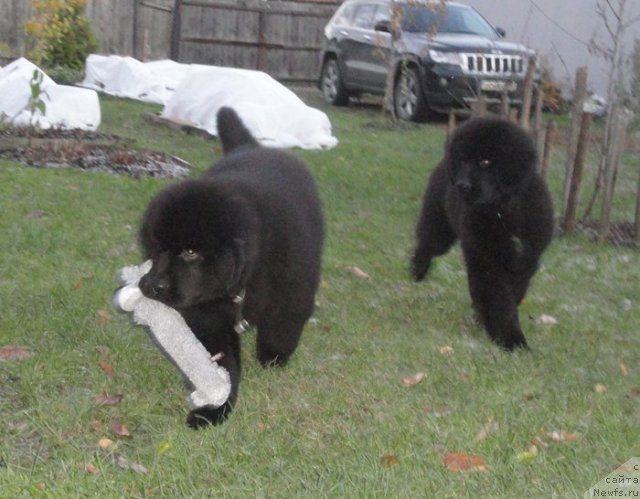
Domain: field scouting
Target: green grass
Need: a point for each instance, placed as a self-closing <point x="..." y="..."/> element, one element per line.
<point x="338" y="421"/>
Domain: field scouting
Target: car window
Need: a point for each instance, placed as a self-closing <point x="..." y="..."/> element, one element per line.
<point x="364" y="16"/>
<point x="421" y="19"/>
<point x="345" y="15"/>
<point x="383" y="13"/>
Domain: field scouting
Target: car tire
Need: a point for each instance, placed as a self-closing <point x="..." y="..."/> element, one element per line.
<point x="331" y="84"/>
<point x="408" y="100"/>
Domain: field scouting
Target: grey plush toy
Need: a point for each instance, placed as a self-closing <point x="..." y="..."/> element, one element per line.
<point x="172" y="334"/>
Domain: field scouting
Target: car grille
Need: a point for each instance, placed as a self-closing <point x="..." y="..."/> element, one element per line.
<point x="493" y="64"/>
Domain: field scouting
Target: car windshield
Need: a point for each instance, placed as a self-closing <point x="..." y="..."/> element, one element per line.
<point x="444" y="19"/>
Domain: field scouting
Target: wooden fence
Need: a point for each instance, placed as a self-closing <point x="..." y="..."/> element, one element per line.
<point x="282" y="38"/>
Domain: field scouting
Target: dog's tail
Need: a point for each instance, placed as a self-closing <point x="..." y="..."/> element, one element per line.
<point x="232" y="132"/>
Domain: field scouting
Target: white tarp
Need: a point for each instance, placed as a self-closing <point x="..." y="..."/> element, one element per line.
<point x="192" y="94"/>
<point x="65" y="106"/>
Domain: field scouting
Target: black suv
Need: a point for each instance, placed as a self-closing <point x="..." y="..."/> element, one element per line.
<point x="441" y="55"/>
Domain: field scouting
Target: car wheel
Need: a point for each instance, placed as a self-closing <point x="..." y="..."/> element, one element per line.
<point x="333" y="89"/>
<point x="408" y="99"/>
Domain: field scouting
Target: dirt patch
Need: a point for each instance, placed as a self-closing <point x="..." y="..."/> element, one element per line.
<point x="89" y="151"/>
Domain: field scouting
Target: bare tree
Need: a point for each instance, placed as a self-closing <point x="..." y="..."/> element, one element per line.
<point x="616" y="21"/>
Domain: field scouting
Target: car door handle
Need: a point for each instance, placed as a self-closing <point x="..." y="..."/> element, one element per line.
<point x="343" y="32"/>
<point x="367" y="37"/>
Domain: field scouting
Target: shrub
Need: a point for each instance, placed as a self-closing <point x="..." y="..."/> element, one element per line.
<point x="61" y="32"/>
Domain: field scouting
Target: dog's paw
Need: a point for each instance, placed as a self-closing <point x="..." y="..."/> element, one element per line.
<point x="208" y="415"/>
<point x="419" y="268"/>
<point x="513" y="342"/>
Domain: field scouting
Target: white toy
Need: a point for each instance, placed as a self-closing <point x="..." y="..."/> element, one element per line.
<point x="167" y="327"/>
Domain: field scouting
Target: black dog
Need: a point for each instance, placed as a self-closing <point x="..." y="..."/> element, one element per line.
<point x="239" y="246"/>
<point x="486" y="193"/>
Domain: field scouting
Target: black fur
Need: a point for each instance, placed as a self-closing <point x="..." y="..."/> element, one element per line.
<point x="252" y="224"/>
<point x="487" y="193"/>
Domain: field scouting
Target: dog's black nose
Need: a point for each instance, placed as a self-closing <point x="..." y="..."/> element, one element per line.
<point x="464" y="186"/>
<point x="154" y="287"/>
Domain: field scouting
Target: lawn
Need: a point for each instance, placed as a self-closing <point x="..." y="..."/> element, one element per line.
<point x="390" y="380"/>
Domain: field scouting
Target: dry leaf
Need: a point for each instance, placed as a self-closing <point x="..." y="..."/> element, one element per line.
<point x="490" y="427"/>
<point x="356" y="271"/>
<point x="624" y="369"/>
<point x="527" y="396"/>
<point x="439" y="413"/>
<point x="120" y="461"/>
<point x="563" y="436"/>
<point x="14" y="353"/>
<point x="91" y="469"/>
<point x="119" y="429"/>
<point x="547" y="320"/>
<point x="105" y="443"/>
<point x="413" y="380"/>
<point x="538" y="442"/>
<point x="457" y="461"/>
<point x="104" y="317"/>
<point x="95" y="424"/>
<point x="446" y="350"/>
<point x="107" y="368"/>
<point x="102" y="350"/>
<point x="599" y="388"/>
<point x="635" y="392"/>
<point x="389" y="460"/>
<point x="105" y="399"/>
<point x="138" y="468"/>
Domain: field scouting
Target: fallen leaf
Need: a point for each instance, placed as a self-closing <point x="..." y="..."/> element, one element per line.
<point x="635" y="392"/>
<point x="547" y="320"/>
<point x="458" y="461"/>
<point x="413" y="380"/>
<point x="563" y="436"/>
<point x="107" y="368"/>
<point x="91" y="469"/>
<point x="528" y="396"/>
<point x="102" y="350"/>
<point x="120" y="461"/>
<point x="529" y="455"/>
<point x="439" y="413"/>
<point x="446" y="350"/>
<point x="41" y="486"/>
<point x="389" y="460"/>
<point x="599" y="388"/>
<point x="163" y="447"/>
<point x="104" y="317"/>
<point x="324" y="284"/>
<point x="95" y="424"/>
<point x="119" y="429"/>
<point x="138" y="468"/>
<point x="105" y="443"/>
<point x="105" y="399"/>
<point x="491" y="426"/>
<point x="356" y="271"/>
<point x="624" y="369"/>
<point x="14" y="353"/>
<point x="35" y="214"/>
<point x="539" y="443"/>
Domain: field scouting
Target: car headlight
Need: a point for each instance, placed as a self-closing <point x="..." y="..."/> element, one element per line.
<point x="445" y="57"/>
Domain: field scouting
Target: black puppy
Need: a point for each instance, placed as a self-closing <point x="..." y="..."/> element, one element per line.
<point x="486" y="193"/>
<point x="239" y="246"/>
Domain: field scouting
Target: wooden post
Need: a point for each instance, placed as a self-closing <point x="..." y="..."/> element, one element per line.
<point x="174" y="52"/>
<point x="528" y="93"/>
<point x="579" y="96"/>
<point x="479" y="107"/>
<point x="451" y="125"/>
<point x="549" y="138"/>
<point x="610" y="174"/>
<point x="569" y="219"/>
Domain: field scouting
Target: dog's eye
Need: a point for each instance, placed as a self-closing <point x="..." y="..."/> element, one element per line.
<point x="484" y="163"/>
<point x="188" y="255"/>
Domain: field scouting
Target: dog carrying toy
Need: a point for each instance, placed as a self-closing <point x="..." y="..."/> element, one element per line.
<point x="171" y="333"/>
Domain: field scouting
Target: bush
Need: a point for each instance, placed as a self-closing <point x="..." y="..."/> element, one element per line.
<point x="61" y="33"/>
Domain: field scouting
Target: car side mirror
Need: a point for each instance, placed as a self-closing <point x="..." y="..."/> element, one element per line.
<point x="384" y="26"/>
<point x="501" y="32"/>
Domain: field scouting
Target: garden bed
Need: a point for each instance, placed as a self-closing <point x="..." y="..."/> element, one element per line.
<point x="89" y="151"/>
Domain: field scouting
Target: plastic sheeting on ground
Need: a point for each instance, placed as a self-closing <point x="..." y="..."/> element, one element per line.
<point x="193" y="94"/>
<point x="65" y="106"/>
